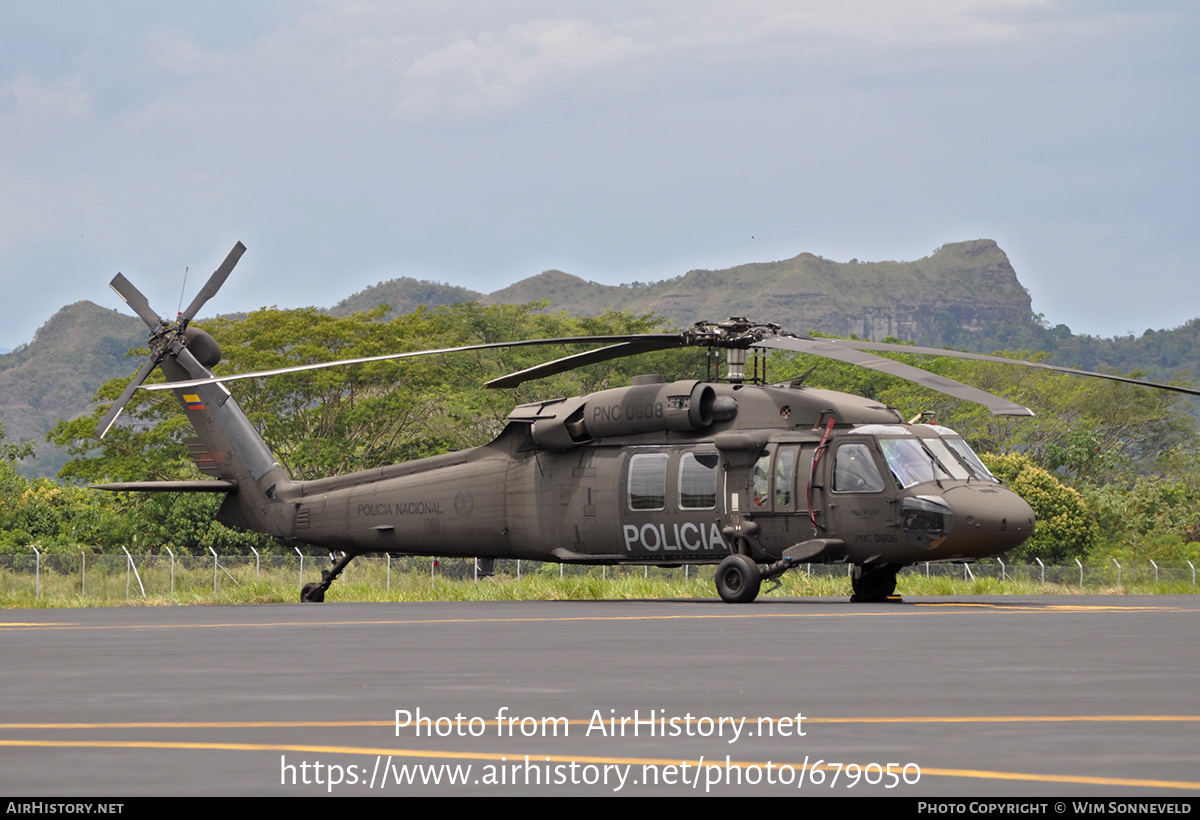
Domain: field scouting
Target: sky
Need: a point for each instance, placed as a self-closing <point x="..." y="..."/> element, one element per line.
<point x="346" y="143"/>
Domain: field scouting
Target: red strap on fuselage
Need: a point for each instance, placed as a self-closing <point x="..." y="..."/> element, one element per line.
<point x="812" y="514"/>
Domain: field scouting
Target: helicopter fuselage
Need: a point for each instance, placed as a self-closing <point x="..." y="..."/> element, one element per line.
<point x="849" y="481"/>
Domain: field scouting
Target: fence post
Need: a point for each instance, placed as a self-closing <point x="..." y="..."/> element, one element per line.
<point x="1003" y="571"/>
<point x="1118" y="563"/>
<point x="967" y="574"/>
<point x="129" y="566"/>
<point x="1043" y="566"/>
<point x="82" y="574"/>
<point x="37" y="573"/>
<point x="389" y="570"/>
<point x="257" y="562"/>
<point x="1151" y="560"/>
<point x="1193" y="566"/>
<point x="1077" y="561"/>
<point x="168" y="549"/>
<point x="214" y="552"/>
<point x="298" y="552"/>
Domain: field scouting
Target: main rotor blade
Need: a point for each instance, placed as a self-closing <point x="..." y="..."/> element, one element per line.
<point x="111" y="416"/>
<point x="214" y="282"/>
<point x="301" y="368"/>
<point x="602" y="354"/>
<point x="957" y="354"/>
<point x="825" y="347"/>
<point x="134" y="298"/>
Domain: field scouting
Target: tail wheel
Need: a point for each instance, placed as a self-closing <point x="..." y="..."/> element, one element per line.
<point x="738" y="579"/>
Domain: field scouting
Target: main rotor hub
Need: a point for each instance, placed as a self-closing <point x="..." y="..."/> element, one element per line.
<point x="735" y="332"/>
<point x="736" y="335"/>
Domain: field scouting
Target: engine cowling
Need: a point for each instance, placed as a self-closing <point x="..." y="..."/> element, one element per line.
<point x="683" y="406"/>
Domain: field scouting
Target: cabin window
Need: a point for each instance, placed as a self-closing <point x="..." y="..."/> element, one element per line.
<point x="854" y="470"/>
<point x="762" y="480"/>
<point x="698" y="481"/>
<point x="785" y="469"/>
<point x="648" y="481"/>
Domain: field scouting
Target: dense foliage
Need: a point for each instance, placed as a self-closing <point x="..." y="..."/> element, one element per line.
<point x="1110" y="469"/>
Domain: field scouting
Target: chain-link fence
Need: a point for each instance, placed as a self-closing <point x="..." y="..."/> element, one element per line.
<point x="112" y="577"/>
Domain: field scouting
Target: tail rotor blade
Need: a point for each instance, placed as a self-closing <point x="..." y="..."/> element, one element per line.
<point x="134" y="298"/>
<point x="214" y="282"/>
<point x="111" y="416"/>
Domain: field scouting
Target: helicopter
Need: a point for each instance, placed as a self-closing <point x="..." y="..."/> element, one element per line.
<point x="757" y="478"/>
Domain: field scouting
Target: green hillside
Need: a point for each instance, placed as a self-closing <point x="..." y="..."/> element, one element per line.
<point x="964" y="295"/>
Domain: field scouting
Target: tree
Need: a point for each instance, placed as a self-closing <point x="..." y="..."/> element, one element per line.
<point x="1065" y="530"/>
<point x="14" y="452"/>
<point x="334" y="421"/>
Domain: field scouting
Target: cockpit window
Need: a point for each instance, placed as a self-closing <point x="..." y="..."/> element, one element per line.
<point x="946" y="458"/>
<point x="854" y="470"/>
<point x="910" y="462"/>
<point x="964" y="451"/>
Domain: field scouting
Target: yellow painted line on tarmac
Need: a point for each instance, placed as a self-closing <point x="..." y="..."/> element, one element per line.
<point x="1016" y="606"/>
<point x="334" y="724"/>
<point x="415" y="621"/>
<point x="998" y="607"/>
<point x="509" y="757"/>
<point x="1012" y="719"/>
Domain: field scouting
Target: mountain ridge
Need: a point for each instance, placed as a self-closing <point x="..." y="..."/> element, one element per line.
<point x="964" y="295"/>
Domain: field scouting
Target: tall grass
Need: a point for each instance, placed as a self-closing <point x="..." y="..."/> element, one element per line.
<point x="66" y="581"/>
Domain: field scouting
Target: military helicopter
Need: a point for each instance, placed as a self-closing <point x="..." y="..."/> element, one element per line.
<point x="757" y="478"/>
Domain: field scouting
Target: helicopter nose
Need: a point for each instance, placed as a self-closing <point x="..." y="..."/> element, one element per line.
<point x="988" y="520"/>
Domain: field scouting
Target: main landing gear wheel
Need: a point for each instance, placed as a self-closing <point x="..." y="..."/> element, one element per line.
<point x="313" y="593"/>
<point x="738" y="579"/>
<point x="873" y="583"/>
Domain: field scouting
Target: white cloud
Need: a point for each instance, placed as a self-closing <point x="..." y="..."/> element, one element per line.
<point x="503" y="70"/>
<point x="38" y="96"/>
<point x="451" y="140"/>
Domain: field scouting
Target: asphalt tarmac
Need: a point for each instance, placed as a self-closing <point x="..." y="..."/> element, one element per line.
<point x="1013" y="696"/>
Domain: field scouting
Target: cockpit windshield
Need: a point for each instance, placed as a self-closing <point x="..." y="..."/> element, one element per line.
<point x="910" y="462"/>
<point x="964" y="452"/>
<point x="915" y="459"/>
<point x="946" y="458"/>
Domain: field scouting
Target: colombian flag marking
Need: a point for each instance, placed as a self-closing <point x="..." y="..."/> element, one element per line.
<point x="193" y="401"/>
